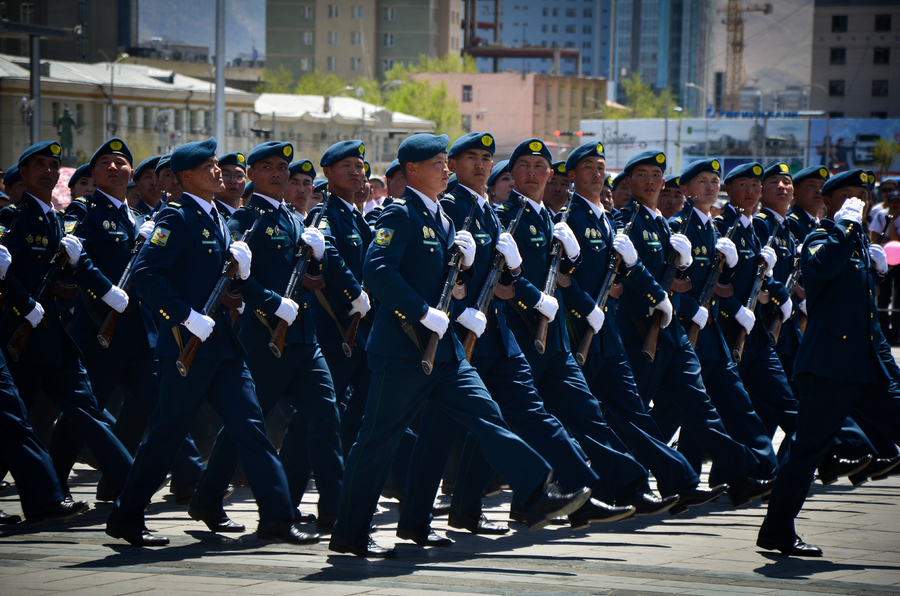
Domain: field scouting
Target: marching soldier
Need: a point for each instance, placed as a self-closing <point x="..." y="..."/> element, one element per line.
<point x="499" y="183"/>
<point x="606" y="198"/>
<point x="234" y="172"/>
<point x="170" y="189"/>
<point x="145" y="180"/>
<point x="556" y="194"/>
<point x="671" y="201"/>
<point x="300" y="186"/>
<point x="13" y="185"/>
<point x="81" y="184"/>
<point x="396" y="184"/>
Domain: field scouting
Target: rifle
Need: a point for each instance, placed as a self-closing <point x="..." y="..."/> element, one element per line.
<point x="709" y="289"/>
<point x="649" y="349"/>
<point x="295" y="283"/>
<point x="556" y="251"/>
<point x="615" y="260"/>
<point x="455" y="265"/>
<point x="229" y="269"/>
<point x="112" y="317"/>
<point x="350" y="335"/>
<point x="790" y="285"/>
<point x="490" y="285"/>
<point x="738" y="348"/>
<point x="58" y="262"/>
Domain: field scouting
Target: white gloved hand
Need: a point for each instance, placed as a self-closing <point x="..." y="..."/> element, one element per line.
<point x="242" y="256"/>
<point x="564" y="234"/>
<point x="199" y="325"/>
<point x="37" y="313"/>
<point x="786" y="309"/>
<point x="802" y="307"/>
<point x="361" y="305"/>
<point x="701" y="317"/>
<point x="72" y="246"/>
<point x="116" y="298"/>
<point x="436" y="320"/>
<point x="547" y="306"/>
<point x="665" y="307"/>
<point x="473" y="320"/>
<point x="876" y="253"/>
<point x="769" y="256"/>
<point x="507" y="246"/>
<point x="287" y="310"/>
<point x="852" y="209"/>
<point x="799" y="248"/>
<point x="729" y="250"/>
<point x="466" y="245"/>
<point x="314" y="239"/>
<point x="622" y="244"/>
<point x="240" y="309"/>
<point x="745" y="318"/>
<point x="596" y="318"/>
<point x="146" y="229"/>
<point x="5" y="261"/>
<point x="682" y="245"/>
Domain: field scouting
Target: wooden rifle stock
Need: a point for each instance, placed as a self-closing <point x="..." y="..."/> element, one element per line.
<point x="650" y="342"/>
<point x="350" y="336"/>
<point x="229" y="269"/>
<point x="737" y="349"/>
<point x="556" y="252"/>
<point x="614" y="263"/>
<point x="444" y="303"/>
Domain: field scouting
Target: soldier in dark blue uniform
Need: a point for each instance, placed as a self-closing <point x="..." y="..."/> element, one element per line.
<point x="621" y="192"/>
<point x="300" y="374"/>
<point x="300" y="186"/>
<point x="174" y="274"/>
<point x="81" y="184"/>
<point x="169" y="188"/>
<point x="13" y="183"/>
<point x="556" y="193"/>
<point x="675" y="365"/>
<point x="234" y="171"/>
<point x="501" y="366"/>
<point x="145" y="180"/>
<point x="606" y="369"/>
<point x="396" y="183"/>
<point x="606" y="194"/>
<point x="839" y="366"/>
<point x="405" y="269"/>
<point x="499" y="183"/>
<point x="803" y="217"/>
<point x="671" y="199"/>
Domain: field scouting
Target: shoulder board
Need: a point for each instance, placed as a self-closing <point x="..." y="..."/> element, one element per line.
<point x="80" y="200"/>
<point x="503" y="207"/>
<point x="794" y="217"/>
<point x="449" y="197"/>
<point x="378" y="208"/>
<point x="135" y="212"/>
<point x="561" y="209"/>
<point x="678" y="219"/>
<point x="821" y="230"/>
<point x="14" y="206"/>
<point x="246" y="206"/>
<point x="398" y="202"/>
<point x="760" y="215"/>
<point x="719" y="218"/>
<point x="175" y="205"/>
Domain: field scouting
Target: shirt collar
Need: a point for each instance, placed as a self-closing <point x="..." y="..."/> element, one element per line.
<point x="116" y="202"/>
<point x="775" y="215"/>
<point x="654" y="214"/>
<point x="703" y="217"/>
<point x="538" y="207"/>
<point x="431" y="205"/>
<point x="271" y="201"/>
<point x="597" y="209"/>
<point x="745" y="221"/>
<point x="350" y="206"/>
<point x="207" y="206"/>
<point x="481" y="199"/>
<point x="228" y="207"/>
<point x="44" y="206"/>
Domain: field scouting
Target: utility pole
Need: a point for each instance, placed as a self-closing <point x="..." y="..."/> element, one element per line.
<point x="219" y="118"/>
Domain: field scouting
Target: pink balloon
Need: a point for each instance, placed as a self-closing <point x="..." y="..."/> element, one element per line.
<point x="892" y="250"/>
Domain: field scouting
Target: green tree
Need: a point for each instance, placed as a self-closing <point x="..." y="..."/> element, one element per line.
<point x="449" y="63"/>
<point x="280" y="81"/>
<point x="643" y="102"/>
<point x="424" y="99"/>
<point x="315" y="83"/>
<point x="885" y="152"/>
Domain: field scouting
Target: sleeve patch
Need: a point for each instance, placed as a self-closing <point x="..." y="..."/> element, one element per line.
<point x="383" y="237"/>
<point x="813" y="249"/>
<point x="160" y="236"/>
<point x="323" y="225"/>
<point x="69" y="226"/>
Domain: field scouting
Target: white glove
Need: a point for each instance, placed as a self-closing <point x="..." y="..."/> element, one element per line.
<point x="116" y="298"/>
<point x="287" y="310"/>
<point x="769" y="256"/>
<point x="361" y="305"/>
<point x="701" y="317"/>
<point x="466" y="245"/>
<point x="36" y="314"/>
<point x="622" y="244"/>
<point x="5" y="261"/>
<point x="72" y="246"/>
<point x="802" y="307"/>
<point x="786" y="309"/>
<point x="436" y="320"/>
<point x="548" y="306"/>
<point x="314" y="239"/>
<point x="596" y="318"/>
<point x="564" y="234"/>
<point x="727" y="248"/>
<point x="799" y="248"/>
<point x="199" y="325"/>
<point x="146" y="229"/>
<point x="240" y="309"/>
<point x="509" y="249"/>
<point x="876" y="253"/>
<point x="473" y="320"/>
<point x="665" y="307"/>
<point x="682" y="245"/>
<point x="851" y="209"/>
<point x="241" y="253"/>
<point x="745" y="318"/>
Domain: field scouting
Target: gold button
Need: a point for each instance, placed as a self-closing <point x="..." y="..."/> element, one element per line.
<point x="845" y="337"/>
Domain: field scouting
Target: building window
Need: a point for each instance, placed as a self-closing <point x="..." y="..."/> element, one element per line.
<point x="838" y="56"/>
<point x="570" y="29"/>
<point x="881" y="56"/>
<point x="546" y="12"/>
<point x="467" y="93"/>
<point x="587" y="30"/>
<point x="555" y="29"/>
<point x="588" y="13"/>
<point x="305" y="64"/>
<point x="545" y="28"/>
<point x="570" y="13"/>
<point x="129" y="115"/>
<point x="332" y="63"/>
<point x="836" y="88"/>
<point x="881" y="115"/>
<point x="192" y="120"/>
<point x="235" y="122"/>
<point x="388" y="40"/>
<point x="386" y="65"/>
<point x="334" y="11"/>
<point x="55" y="106"/>
<point x="586" y="45"/>
<point x="467" y="123"/>
<point x="570" y="44"/>
<point x="882" y="22"/>
<point x="839" y="23"/>
<point x="880" y="88"/>
<point x="556" y="12"/>
<point x="835" y="114"/>
<point x="389" y="14"/>
<point x="333" y="38"/>
<point x="26" y="13"/>
<point x="356" y="64"/>
<point x="306" y="13"/>
<point x="356" y="38"/>
<point x="306" y="38"/>
<point x="356" y="12"/>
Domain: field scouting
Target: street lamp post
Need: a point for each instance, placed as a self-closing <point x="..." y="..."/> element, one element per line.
<point x="111" y="123"/>
<point x="706" y="109"/>
<point x="827" y="125"/>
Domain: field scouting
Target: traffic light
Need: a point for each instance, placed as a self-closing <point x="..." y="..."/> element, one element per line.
<point x="556" y="133"/>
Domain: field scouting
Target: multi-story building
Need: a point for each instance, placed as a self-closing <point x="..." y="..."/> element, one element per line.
<point x="856" y="49"/>
<point x="358" y="38"/>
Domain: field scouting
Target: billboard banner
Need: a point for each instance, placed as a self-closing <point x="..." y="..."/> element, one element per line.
<point x="852" y="143"/>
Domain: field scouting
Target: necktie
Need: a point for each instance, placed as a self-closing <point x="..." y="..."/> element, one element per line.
<point x="214" y="214"/>
<point x="439" y="218"/>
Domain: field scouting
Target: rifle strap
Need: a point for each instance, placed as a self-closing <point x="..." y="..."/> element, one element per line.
<point x="177" y="333"/>
<point x="408" y="329"/>
<point x="327" y="306"/>
<point x="265" y="322"/>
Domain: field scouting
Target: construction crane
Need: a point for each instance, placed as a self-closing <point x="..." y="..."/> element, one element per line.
<point x="734" y="60"/>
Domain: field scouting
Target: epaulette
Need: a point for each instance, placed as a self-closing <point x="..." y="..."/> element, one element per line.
<point x="175" y="205"/>
<point x="14" y="206"/>
<point x="820" y="230"/>
<point x="450" y="197"/>
<point x="760" y="215"/>
<point x="719" y="218"/>
<point x="80" y="200"/>
<point x="678" y="220"/>
<point x="794" y="217"/>
<point x="135" y="212"/>
<point x="399" y="202"/>
<point x="246" y="206"/>
<point x="561" y="209"/>
<point x="503" y="207"/>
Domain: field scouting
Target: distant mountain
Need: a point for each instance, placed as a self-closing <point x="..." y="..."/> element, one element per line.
<point x="194" y="21"/>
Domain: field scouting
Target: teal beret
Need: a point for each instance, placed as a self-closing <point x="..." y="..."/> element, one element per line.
<point x="591" y="149"/>
<point x="191" y="155"/>
<point x="147" y="164"/>
<point x="745" y="170"/>
<point x="698" y="167"/>
<point x="114" y="146"/>
<point x="233" y="159"/>
<point x="422" y="146"/>
<point x="451" y="184"/>
<point x="304" y="166"/>
<point x="844" y="179"/>
<point x="530" y="147"/>
<point x="608" y="181"/>
<point x="673" y="181"/>
<point x="83" y="171"/>
<point x="498" y="170"/>
<point x="163" y="162"/>
<point x="46" y="148"/>
<point x="618" y="180"/>
<point x="343" y="150"/>
<point x="248" y="190"/>
<point x="12" y="175"/>
<point x="777" y="169"/>
<point x="473" y="140"/>
<point x="559" y="168"/>
<point x="653" y="158"/>
<point x="320" y="185"/>
<point x="871" y="175"/>
<point x="392" y="168"/>
<point x="814" y="172"/>
<point x="268" y="149"/>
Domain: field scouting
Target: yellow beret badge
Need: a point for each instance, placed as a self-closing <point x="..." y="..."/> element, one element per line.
<point x="535" y="146"/>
